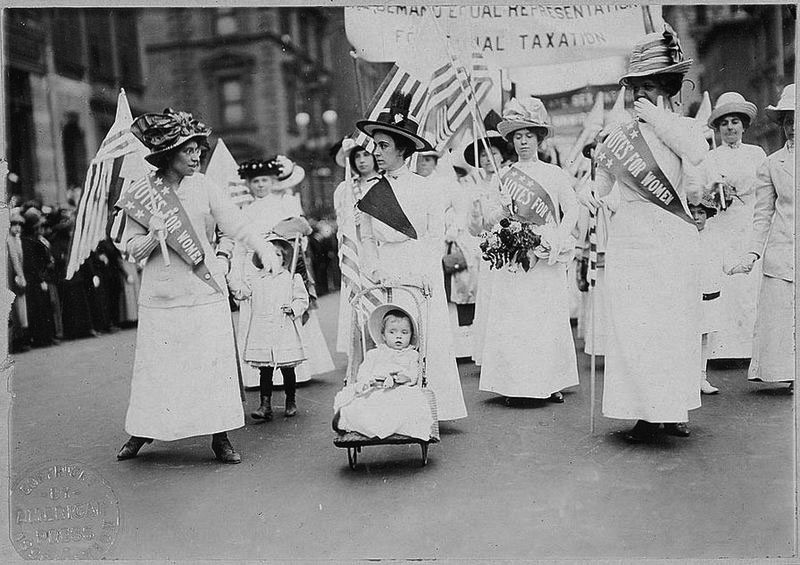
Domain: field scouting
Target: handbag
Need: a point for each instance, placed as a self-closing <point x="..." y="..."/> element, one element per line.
<point x="454" y="260"/>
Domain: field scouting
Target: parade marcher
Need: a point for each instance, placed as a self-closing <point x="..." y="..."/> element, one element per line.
<point x="184" y="376"/>
<point x="652" y="269"/>
<point x="487" y="185"/>
<point x="712" y="269"/>
<point x="38" y="267"/>
<point x="18" y="334"/>
<point x="731" y="168"/>
<point x="773" y="241"/>
<point x="364" y="169"/>
<point x="278" y="298"/>
<point x="396" y="257"/>
<point x="385" y="397"/>
<point x="269" y="181"/>
<point x="529" y="351"/>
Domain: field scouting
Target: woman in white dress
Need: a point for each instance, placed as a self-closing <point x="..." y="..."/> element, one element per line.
<point x="364" y="168"/>
<point x="652" y="258"/>
<point x="732" y="167"/>
<point x="394" y="256"/>
<point x="270" y="182"/>
<point x="529" y="351"/>
<point x="184" y="375"/>
<point x="487" y="185"/>
<point x="773" y="241"/>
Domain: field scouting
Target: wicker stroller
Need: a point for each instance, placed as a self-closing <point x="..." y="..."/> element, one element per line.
<point x="354" y="441"/>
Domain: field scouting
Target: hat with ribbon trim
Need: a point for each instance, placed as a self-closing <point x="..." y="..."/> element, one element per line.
<point x="785" y="104"/>
<point x="164" y="132"/>
<point x="289" y="173"/>
<point x="375" y="323"/>
<point x="731" y="103"/>
<point x="656" y="54"/>
<point x="493" y="139"/>
<point x="394" y="118"/>
<point x="530" y="114"/>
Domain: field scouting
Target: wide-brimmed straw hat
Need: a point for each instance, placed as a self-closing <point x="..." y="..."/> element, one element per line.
<point x="785" y="104"/>
<point x="289" y="173"/>
<point x="345" y="147"/>
<point x="530" y="114"/>
<point x="656" y="54"/>
<point x="731" y="103"/>
<point x="709" y="203"/>
<point x="394" y="118"/>
<point x="375" y="323"/>
<point x="164" y="132"/>
<point x="493" y="138"/>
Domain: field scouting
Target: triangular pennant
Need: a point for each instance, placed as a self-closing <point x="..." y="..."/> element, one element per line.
<point x="223" y="170"/>
<point x="702" y="115"/>
<point x="381" y="203"/>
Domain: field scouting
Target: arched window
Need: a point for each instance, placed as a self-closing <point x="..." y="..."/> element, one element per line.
<point x="74" y="144"/>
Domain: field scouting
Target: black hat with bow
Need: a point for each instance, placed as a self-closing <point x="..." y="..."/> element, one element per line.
<point x="394" y="118"/>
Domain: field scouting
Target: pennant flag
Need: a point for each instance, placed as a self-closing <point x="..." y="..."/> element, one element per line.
<point x="118" y="163"/>
<point x="150" y="194"/>
<point x="702" y="115"/>
<point x="397" y="80"/>
<point x="223" y="170"/>
<point x="618" y="114"/>
<point x="592" y="125"/>
<point x="381" y="203"/>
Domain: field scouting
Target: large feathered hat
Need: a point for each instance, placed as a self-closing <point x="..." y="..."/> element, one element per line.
<point x="394" y="118"/>
<point x="656" y="54"/>
<point x="166" y="131"/>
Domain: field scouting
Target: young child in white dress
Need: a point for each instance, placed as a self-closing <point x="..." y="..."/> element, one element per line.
<point x="386" y="397"/>
<point x="273" y="341"/>
<point x="711" y="271"/>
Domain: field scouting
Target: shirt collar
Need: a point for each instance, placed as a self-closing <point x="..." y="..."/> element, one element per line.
<point x="397" y="173"/>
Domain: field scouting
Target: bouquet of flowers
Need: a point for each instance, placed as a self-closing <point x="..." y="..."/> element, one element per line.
<point x="509" y="244"/>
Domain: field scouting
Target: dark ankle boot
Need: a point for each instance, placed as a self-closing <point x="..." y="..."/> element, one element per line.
<point x="132" y="447"/>
<point x="263" y="412"/>
<point x="291" y="405"/>
<point x="289" y="386"/>
<point x="223" y="450"/>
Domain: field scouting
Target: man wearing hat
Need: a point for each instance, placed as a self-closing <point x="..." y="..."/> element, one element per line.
<point x="652" y="258"/>
<point x="773" y="241"/>
<point x="401" y="253"/>
<point x="728" y="174"/>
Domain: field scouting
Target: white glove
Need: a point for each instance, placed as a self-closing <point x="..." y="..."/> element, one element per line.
<point x="587" y="196"/>
<point x="156" y="226"/>
<point x="648" y="112"/>
<point x="745" y="264"/>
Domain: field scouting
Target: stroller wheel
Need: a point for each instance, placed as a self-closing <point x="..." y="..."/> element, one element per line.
<point x="352" y="457"/>
<point x="424" y="447"/>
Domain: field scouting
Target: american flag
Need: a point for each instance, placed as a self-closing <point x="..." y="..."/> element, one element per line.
<point x="397" y="80"/>
<point x="119" y="162"/>
<point x="454" y="94"/>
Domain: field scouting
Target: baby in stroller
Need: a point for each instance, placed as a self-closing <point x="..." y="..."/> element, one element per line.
<point x="386" y="397"/>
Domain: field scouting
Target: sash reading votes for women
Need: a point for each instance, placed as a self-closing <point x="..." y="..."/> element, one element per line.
<point x="532" y="202"/>
<point x="626" y="155"/>
<point x="150" y="193"/>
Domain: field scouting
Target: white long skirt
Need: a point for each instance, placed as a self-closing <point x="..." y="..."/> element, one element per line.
<point x="401" y="410"/>
<point x="595" y="331"/>
<point x="529" y="350"/>
<point x="739" y="294"/>
<point x="408" y="261"/>
<point x="482" y="299"/>
<point x="774" y="346"/>
<point x="184" y="373"/>
<point x="653" y="305"/>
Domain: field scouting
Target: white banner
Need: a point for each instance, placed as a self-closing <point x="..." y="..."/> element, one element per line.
<point x="508" y="36"/>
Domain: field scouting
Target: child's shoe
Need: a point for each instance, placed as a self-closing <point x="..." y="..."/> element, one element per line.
<point x="263" y="412"/>
<point x="291" y="406"/>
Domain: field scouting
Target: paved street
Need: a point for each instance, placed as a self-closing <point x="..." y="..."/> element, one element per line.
<point x="520" y="482"/>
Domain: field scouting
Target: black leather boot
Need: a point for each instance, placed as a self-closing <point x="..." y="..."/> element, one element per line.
<point x="263" y="412"/>
<point x="223" y="450"/>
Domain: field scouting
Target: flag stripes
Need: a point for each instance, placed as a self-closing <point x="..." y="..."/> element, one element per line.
<point x="591" y="274"/>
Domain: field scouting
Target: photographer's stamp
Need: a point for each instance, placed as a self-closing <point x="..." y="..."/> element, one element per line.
<point x="63" y="511"/>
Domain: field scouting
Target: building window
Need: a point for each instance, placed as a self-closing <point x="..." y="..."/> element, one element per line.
<point x="286" y="21"/>
<point x="101" y="55"/>
<point x="68" y="43"/>
<point x="226" y="23"/>
<point x="232" y="101"/>
<point x="74" y="152"/>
